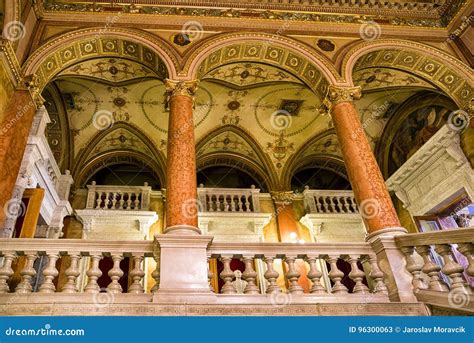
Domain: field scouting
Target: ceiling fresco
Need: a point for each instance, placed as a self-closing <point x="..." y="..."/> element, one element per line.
<point x="273" y="114"/>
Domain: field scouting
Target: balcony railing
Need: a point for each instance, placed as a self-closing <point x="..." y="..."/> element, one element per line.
<point x="229" y="199"/>
<point x="329" y="201"/>
<point x="432" y="255"/>
<point x="118" y="197"/>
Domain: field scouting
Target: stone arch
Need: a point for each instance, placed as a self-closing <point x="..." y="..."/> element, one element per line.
<point x="76" y="46"/>
<point x="255" y="162"/>
<point x="314" y="69"/>
<point x="446" y="72"/>
<point x="87" y="162"/>
<point x="300" y="160"/>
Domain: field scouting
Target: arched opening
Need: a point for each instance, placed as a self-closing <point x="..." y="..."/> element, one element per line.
<point x="125" y="174"/>
<point x="227" y="177"/>
<point x="318" y="178"/>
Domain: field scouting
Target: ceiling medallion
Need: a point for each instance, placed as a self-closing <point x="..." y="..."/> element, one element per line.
<point x="119" y="102"/>
<point x="325" y="45"/>
<point x="233" y="105"/>
<point x="181" y="39"/>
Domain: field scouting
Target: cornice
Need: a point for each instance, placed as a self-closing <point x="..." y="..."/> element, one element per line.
<point x="385" y="13"/>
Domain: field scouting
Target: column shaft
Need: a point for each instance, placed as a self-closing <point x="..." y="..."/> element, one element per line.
<point x="375" y="204"/>
<point x="181" y="187"/>
<point x="14" y="131"/>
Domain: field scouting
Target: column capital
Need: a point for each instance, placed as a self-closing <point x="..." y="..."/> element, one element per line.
<point x="177" y="87"/>
<point x="338" y="94"/>
<point x="286" y="197"/>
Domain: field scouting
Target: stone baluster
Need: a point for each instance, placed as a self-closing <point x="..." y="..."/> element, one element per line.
<point x="315" y="276"/>
<point x="377" y="275"/>
<point x="357" y="275"/>
<point x="121" y="200"/>
<point x="293" y="275"/>
<point x="49" y="273"/>
<point x="226" y="204"/>
<point x="336" y="276"/>
<point x="136" y="202"/>
<point x="27" y="274"/>
<point x="431" y="269"/>
<point x="232" y="203"/>
<point x="156" y="273"/>
<point x="250" y="275"/>
<point x="209" y="275"/>
<point x="227" y="275"/>
<point x="248" y="199"/>
<point x="129" y="200"/>
<point x="241" y="204"/>
<point x="6" y="271"/>
<point x="98" y="200"/>
<point x="72" y="272"/>
<point x="114" y="200"/>
<point x="218" y="203"/>
<point x="115" y="274"/>
<point x="414" y="268"/>
<point x="318" y="205"/>
<point x="93" y="274"/>
<point x="271" y="275"/>
<point x="467" y="249"/>
<point x="137" y="275"/>
<point x="452" y="269"/>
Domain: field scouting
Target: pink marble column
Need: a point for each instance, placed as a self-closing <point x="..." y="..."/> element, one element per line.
<point x="181" y="187"/>
<point x="375" y="204"/>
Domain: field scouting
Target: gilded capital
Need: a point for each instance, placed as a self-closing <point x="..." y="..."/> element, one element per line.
<point x="187" y="88"/>
<point x="338" y="94"/>
<point x="283" y="196"/>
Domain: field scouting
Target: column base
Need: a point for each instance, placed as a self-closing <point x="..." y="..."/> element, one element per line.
<point x="386" y="232"/>
<point x="182" y="230"/>
<point x="392" y="263"/>
<point x="183" y="267"/>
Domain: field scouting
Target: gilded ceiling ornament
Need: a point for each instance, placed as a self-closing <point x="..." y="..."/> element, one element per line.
<point x="280" y="149"/>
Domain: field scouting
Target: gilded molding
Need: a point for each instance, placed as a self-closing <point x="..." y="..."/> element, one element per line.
<point x="8" y="55"/>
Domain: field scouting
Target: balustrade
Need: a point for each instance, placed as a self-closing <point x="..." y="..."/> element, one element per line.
<point x="265" y="255"/>
<point x="73" y="251"/>
<point x="228" y="199"/>
<point x="435" y="278"/>
<point x="118" y="197"/>
<point x="329" y="201"/>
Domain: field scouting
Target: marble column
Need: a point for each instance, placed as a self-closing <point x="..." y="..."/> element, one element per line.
<point x="181" y="186"/>
<point x="182" y="248"/>
<point x="14" y="131"/>
<point x="368" y="185"/>
<point x="373" y="199"/>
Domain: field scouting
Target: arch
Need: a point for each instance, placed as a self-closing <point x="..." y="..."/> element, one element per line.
<point x="76" y="46"/>
<point x="313" y="68"/>
<point x="86" y="161"/>
<point x="260" y="162"/>
<point x="433" y="65"/>
<point x="298" y="161"/>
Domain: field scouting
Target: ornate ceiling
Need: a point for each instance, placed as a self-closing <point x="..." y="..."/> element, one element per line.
<point x="255" y="114"/>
